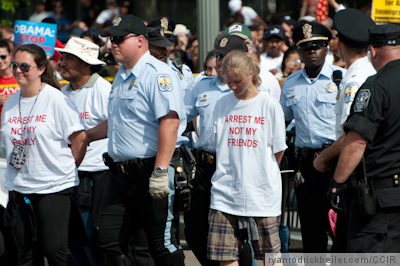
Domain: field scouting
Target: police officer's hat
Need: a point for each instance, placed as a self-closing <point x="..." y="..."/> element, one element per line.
<point x="156" y="37"/>
<point x="352" y="26"/>
<point x="167" y="25"/>
<point x="308" y="33"/>
<point x="229" y="43"/>
<point x="125" y="25"/>
<point x="386" y="34"/>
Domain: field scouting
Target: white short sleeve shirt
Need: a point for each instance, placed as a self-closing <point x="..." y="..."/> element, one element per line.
<point x="50" y="166"/>
<point x="247" y="180"/>
<point x="92" y="102"/>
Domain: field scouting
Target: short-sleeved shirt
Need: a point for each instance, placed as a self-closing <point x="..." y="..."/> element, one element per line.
<point x="355" y="76"/>
<point x="91" y="101"/>
<point x="184" y="78"/>
<point x="247" y="180"/>
<point x="268" y="63"/>
<point x="375" y="116"/>
<point x="249" y="15"/>
<point x="137" y="100"/>
<point x="271" y="84"/>
<point x="107" y="15"/>
<point x="50" y="165"/>
<point x="201" y="101"/>
<point x="8" y="86"/>
<point x="311" y="103"/>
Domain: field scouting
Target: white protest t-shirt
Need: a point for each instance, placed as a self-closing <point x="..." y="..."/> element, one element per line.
<point x="50" y="166"/>
<point x="92" y="101"/>
<point x="249" y="15"/>
<point x="247" y="180"/>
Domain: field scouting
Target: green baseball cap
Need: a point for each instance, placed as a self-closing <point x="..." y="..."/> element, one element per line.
<point x="240" y="30"/>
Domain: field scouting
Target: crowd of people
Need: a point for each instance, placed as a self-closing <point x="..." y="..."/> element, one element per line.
<point x="117" y="159"/>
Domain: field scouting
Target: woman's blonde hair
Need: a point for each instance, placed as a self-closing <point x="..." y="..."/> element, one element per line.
<point x="242" y="64"/>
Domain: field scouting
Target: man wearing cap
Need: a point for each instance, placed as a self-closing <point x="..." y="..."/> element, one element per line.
<point x="268" y="81"/>
<point x="160" y="36"/>
<point x="309" y="97"/>
<point x="200" y="101"/>
<point x="372" y="134"/>
<point x="271" y="60"/>
<point x="146" y="119"/>
<point x="353" y="49"/>
<point x="89" y="92"/>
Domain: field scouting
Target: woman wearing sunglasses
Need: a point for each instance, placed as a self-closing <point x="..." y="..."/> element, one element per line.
<point x="45" y="142"/>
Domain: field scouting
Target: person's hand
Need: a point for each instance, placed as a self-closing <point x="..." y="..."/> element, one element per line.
<point x="320" y="164"/>
<point x="274" y="71"/>
<point x="335" y="190"/>
<point x="158" y="185"/>
<point x="288" y="68"/>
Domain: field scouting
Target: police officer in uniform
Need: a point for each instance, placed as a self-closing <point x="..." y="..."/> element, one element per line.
<point x="353" y="49"/>
<point x="372" y="132"/>
<point x="146" y="119"/>
<point x="200" y="101"/>
<point x="309" y="97"/>
<point x="160" y="49"/>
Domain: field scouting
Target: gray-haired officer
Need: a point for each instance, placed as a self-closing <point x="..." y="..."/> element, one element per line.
<point x="200" y="101"/>
<point x="309" y="97"/>
<point x="160" y="40"/>
<point x="353" y="49"/>
<point x="146" y="119"/>
<point x="372" y="131"/>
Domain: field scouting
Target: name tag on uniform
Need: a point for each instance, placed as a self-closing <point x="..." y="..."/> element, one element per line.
<point x="203" y="101"/>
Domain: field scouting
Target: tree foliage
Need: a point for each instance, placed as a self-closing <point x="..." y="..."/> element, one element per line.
<point x="11" y="6"/>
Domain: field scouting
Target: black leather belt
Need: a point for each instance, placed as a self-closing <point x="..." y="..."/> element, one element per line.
<point x="308" y="152"/>
<point x="206" y="157"/>
<point x="127" y="165"/>
<point x="387" y="182"/>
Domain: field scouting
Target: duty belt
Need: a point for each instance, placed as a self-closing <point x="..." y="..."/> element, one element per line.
<point x="136" y="168"/>
<point x="206" y="157"/>
<point x="387" y="182"/>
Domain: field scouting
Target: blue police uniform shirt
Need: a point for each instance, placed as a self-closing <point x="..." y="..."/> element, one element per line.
<point x="187" y="76"/>
<point x="136" y="102"/>
<point x="201" y="101"/>
<point x="311" y="103"/>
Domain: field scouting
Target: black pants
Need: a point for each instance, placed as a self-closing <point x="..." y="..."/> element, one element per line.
<point x="52" y="213"/>
<point x="91" y="191"/>
<point x="196" y="220"/>
<point x="377" y="234"/>
<point x="313" y="207"/>
<point x="128" y="207"/>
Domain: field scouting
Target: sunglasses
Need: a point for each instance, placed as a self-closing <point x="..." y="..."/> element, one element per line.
<point x="219" y="56"/>
<point x="23" y="66"/>
<point x="120" y="39"/>
<point x="312" y="47"/>
<point x="3" y="57"/>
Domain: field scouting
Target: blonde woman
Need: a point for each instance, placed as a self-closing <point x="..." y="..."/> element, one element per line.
<point x="246" y="186"/>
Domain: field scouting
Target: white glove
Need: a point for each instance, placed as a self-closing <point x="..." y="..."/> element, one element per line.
<point x="158" y="185"/>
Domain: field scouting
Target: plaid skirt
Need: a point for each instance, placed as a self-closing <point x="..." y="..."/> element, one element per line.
<point x="225" y="239"/>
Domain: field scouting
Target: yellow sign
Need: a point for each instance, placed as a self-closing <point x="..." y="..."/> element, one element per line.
<point x="386" y="11"/>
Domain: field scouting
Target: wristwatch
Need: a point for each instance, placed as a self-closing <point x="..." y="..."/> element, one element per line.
<point x="159" y="170"/>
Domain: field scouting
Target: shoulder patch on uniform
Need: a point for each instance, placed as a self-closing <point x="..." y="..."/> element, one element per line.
<point x="164" y="82"/>
<point x="350" y="91"/>
<point x="362" y="100"/>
